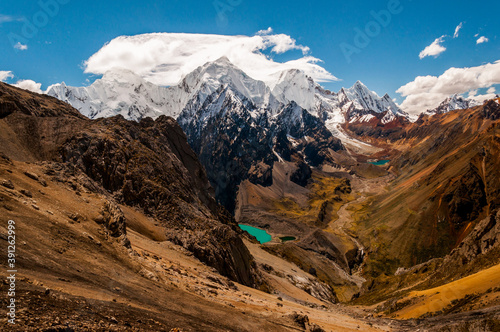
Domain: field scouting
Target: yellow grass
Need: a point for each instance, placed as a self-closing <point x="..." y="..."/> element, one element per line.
<point x="436" y="299"/>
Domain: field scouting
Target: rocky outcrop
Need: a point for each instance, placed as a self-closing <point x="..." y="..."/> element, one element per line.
<point x="221" y="248"/>
<point x="261" y="174"/>
<point x="150" y="166"/>
<point x="302" y="174"/>
<point x="327" y="245"/>
<point x="484" y="238"/>
<point x="465" y="198"/>
<point x="491" y="110"/>
<point x="114" y="221"/>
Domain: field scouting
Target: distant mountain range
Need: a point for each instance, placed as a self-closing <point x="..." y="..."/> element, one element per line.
<point x="122" y="92"/>
<point x="455" y="102"/>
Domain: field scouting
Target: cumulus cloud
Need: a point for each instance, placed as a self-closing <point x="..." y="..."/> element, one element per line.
<point x="5" y="75"/>
<point x="457" y="30"/>
<point x="427" y="92"/>
<point x="21" y="47"/>
<point x="165" y="58"/>
<point x="483" y="98"/>
<point x="482" y="39"/>
<point x="29" y="85"/>
<point x="490" y="94"/>
<point x="434" y="49"/>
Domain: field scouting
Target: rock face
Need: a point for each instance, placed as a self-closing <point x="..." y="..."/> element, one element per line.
<point x="485" y="238"/>
<point x="327" y="245"/>
<point x="302" y="174"/>
<point x="232" y="137"/>
<point x="138" y="163"/>
<point x="479" y="249"/>
<point x="114" y="220"/>
<point x="262" y="174"/>
<point x="466" y="198"/>
<point x="146" y="164"/>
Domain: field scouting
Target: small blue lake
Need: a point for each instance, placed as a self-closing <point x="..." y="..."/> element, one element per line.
<point x="379" y="162"/>
<point x="261" y="235"/>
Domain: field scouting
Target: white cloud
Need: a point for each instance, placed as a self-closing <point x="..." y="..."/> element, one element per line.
<point x="482" y="39"/>
<point x="5" y="75"/>
<point x="8" y="18"/>
<point x="434" y="49"/>
<point x="457" y="30"/>
<point x="20" y="46"/>
<point x="427" y="92"/>
<point x="29" y="85"/>
<point x="164" y="58"/>
<point x="268" y="31"/>
<point x="482" y="98"/>
<point x="491" y="90"/>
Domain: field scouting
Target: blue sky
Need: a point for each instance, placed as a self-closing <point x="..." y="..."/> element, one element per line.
<point x="56" y="52"/>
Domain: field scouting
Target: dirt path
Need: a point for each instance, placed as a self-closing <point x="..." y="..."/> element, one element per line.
<point x="363" y="187"/>
<point x="344" y="221"/>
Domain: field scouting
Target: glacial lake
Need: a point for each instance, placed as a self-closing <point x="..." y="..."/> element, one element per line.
<point x="261" y="235"/>
<point x="379" y="162"/>
<point x="287" y="238"/>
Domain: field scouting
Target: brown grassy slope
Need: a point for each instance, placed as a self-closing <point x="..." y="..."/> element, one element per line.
<point x="447" y="181"/>
<point x="95" y="283"/>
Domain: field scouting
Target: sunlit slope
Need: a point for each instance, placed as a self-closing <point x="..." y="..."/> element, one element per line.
<point x="447" y="181"/>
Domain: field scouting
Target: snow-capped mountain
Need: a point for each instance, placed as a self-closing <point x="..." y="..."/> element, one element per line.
<point x="455" y="102"/>
<point x="123" y="92"/>
<point x="294" y="85"/>
<point x="119" y="91"/>
<point x="365" y="99"/>
<point x="205" y="80"/>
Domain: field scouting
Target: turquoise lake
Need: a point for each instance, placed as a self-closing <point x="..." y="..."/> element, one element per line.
<point x="261" y="235"/>
<point x="379" y="162"/>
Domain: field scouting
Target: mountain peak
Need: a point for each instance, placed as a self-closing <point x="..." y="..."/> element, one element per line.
<point x="358" y="85"/>
<point x="453" y="102"/>
<point x="223" y="60"/>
